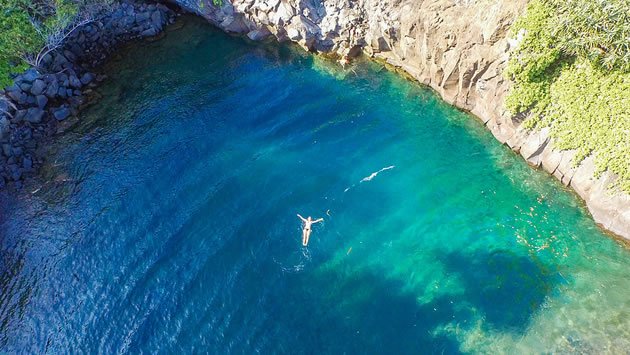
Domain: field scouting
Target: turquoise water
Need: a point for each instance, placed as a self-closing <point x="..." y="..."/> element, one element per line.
<point x="168" y="221"/>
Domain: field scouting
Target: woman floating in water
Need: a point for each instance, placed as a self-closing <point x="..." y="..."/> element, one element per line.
<point x="306" y="230"/>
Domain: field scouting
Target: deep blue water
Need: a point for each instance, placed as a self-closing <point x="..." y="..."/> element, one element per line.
<point x="167" y="222"/>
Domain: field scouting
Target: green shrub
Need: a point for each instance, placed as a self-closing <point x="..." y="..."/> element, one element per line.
<point x="17" y="37"/>
<point x="27" y="26"/>
<point x="571" y="73"/>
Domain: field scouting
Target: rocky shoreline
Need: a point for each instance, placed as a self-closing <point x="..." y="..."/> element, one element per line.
<point x="39" y="99"/>
<point x="457" y="47"/>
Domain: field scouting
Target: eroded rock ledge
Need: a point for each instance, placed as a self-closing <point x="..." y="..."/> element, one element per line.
<point x="457" y="47"/>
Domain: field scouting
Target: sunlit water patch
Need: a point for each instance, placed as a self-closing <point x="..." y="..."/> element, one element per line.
<point x="168" y="220"/>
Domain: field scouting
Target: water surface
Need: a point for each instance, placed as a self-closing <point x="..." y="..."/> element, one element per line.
<point x="169" y="220"/>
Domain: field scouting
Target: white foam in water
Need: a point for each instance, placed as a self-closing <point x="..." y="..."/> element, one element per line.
<point x="373" y="175"/>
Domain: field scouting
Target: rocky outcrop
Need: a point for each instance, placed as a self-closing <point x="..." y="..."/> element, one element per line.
<point x="31" y="108"/>
<point x="458" y="47"/>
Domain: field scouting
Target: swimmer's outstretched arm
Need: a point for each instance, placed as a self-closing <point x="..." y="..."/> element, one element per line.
<point x="318" y="220"/>
<point x="302" y="218"/>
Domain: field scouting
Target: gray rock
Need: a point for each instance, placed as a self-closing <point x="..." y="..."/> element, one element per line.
<point x="27" y="163"/>
<point x="19" y="115"/>
<point x="41" y="101"/>
<point x="30" y="75"/>
<point x="53" y="89"/>
<point x="26" y="87"/>
<point x="38" y="87"/>
<point x="142" y="16"/>
<point x="5" y="126"/>
<point x="149" y="32"/>
<point x="6" y="150"/>
<point x="257" y="35"/>
<point x="17" y="151"/>
<point x="15" y="172"/>
<point x="4" y="105"/>
<point x="61" y="113"/>
<point x="75" y="82"/>
<point x="157" y="20"/>
<point x="17" y="95"/>
<point x="30" y="100"/>
<point x="34" y="115"/>
<point x="87" y="78"/>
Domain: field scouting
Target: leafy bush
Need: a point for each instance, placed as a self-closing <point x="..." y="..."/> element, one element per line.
<point x="27" y="26"/>
<point x="17" y="37"/>
<point x="571" y="72"/>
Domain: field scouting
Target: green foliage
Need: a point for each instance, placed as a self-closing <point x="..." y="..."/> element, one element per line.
<point x="571" y="72"/>
<point x="25" y="26"/>
<point x="17" y="37"/>
<point x="595" y="29"/>
<point x="217" y="2"/>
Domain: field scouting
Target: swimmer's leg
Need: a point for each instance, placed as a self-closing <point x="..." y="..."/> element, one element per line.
<point x="308" y="235"/>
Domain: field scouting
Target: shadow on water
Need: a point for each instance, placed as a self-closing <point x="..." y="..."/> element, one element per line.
<point x="505" y="287"/>
<point x="360" y="313"/>
<point x="349" y="311"/>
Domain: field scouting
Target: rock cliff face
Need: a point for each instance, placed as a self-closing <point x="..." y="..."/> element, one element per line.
<point x="457" y="47"/>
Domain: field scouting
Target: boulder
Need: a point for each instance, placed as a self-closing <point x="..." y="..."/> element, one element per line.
<point x="149" y="32"/>
<point x="53" y="89"/>
<point x="74" y="82"/>
<point x="61" y="113"/>
<point x="156" y="20"/>
<point x="5" y="126"/>
<point x="87" y="78"/>
<point x="16" y="94"/>
<point x="41" y="101"/>
<point x="27" y="163"/>
<point x="15" y="172"/>
<point x="30" y="75"/>
<point x="258" y="35"/>
<point x="19" y="115"/>
<point x="7" y="150"/>
<point x="34" y="115"/>
<point x="38" y="87"/>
